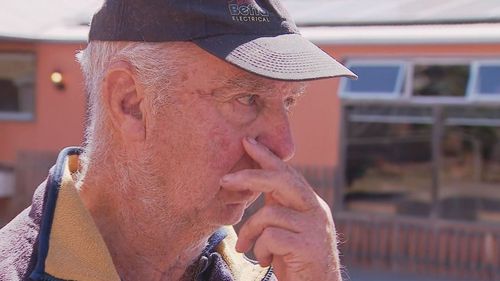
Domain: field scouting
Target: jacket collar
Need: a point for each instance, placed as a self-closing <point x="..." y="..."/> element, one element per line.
<point x="70" y="245"/>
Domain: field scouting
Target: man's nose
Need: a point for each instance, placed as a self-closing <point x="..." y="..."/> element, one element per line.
<point x="275" y="134"/>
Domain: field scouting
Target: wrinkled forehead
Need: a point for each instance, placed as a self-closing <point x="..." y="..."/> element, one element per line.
<point x="209" y="72"/>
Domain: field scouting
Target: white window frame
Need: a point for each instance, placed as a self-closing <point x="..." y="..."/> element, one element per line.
<point x="398" y="88"/>
<point x="473" y="85"/>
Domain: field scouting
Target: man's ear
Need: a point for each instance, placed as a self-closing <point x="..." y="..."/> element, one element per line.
<point x="122" y="97"/>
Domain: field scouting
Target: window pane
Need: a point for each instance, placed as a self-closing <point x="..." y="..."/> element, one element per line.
<point x="470" y="175"/>
<point x="17" y="76"/>
<point x="388" y="168"/>
<point x="489" y="80"/>
<point x="440" y="80"/>
<point x="374" y="79"/>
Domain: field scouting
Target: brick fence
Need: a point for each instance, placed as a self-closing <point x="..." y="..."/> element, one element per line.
<point x="460" y="250"/>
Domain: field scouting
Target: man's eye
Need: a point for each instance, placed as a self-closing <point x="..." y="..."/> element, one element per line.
<point x="247" y="100"/>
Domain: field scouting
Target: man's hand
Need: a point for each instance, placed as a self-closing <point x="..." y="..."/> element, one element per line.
<point x="294" y="231"/>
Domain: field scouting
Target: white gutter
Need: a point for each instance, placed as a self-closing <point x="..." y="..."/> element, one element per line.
<point x="74" y="34"/>
<point x="404" y="34"/>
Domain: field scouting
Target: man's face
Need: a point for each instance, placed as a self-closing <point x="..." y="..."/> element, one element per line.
<point x="197" y="139"/>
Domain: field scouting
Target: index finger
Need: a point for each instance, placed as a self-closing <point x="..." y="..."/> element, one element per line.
<point x="278" y="186"/>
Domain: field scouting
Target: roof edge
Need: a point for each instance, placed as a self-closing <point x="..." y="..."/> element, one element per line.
<point x="399" y="23"/>
<point x="404" y="34"/>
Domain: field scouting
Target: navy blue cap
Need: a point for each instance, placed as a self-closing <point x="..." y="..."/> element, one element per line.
<point x="256" y="35"/>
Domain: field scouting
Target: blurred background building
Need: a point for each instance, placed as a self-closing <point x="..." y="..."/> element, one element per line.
<point x="408" y="155"/>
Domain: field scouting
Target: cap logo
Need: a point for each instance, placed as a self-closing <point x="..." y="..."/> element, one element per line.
<point x="247" y="11"/>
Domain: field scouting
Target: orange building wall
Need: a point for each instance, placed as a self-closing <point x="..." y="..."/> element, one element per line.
<point x="315" y="121"/>
<point x="315" y="125"/>
<point x="59" y="115"/>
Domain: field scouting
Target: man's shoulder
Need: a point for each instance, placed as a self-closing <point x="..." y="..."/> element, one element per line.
<point x="18" y="241"/>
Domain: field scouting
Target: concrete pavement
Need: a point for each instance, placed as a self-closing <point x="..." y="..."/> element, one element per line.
<point x="355" y="274"/>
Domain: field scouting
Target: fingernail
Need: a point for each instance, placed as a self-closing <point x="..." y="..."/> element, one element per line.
<point x="238" y="247"/>
<point x="251" y="140"/>
<point x="227" y="178"/>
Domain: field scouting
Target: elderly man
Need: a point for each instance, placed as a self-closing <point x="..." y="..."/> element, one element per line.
<point x="189" y="105"/>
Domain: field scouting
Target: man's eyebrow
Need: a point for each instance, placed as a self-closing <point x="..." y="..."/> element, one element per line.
<point x="247" y="83"/>
<point x="255" y="85"/>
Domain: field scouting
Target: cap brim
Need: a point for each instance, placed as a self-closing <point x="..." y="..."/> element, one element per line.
<point x="282" y="57"/>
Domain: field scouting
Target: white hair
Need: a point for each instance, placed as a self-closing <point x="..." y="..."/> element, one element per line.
<point x="155" y="65"/>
